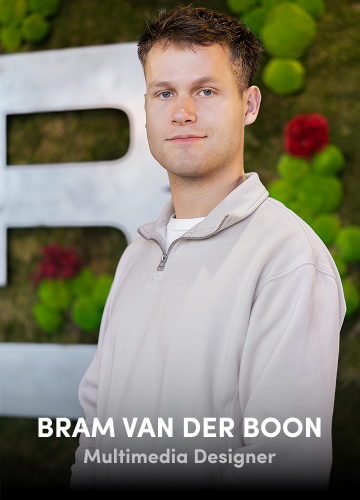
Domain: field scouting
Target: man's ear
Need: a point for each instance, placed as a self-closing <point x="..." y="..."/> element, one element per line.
<point x="252" y="99"/>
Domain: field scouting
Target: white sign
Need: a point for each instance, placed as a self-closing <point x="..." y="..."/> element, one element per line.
<point x="123" y="193"/>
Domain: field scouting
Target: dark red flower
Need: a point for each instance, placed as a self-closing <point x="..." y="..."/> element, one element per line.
<point x="57" y="263"/>
<point x="305" y="135"/>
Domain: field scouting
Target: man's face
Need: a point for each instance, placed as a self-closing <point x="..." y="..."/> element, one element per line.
<point x="195" y="115"/>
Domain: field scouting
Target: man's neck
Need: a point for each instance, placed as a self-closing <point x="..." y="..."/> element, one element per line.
<point x="194" y="198"/>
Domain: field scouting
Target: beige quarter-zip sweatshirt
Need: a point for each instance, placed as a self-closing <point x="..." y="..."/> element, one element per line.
<point x="240" y="319"/>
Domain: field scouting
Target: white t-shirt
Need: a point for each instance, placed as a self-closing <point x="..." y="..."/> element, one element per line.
<point x="177" y="227"/>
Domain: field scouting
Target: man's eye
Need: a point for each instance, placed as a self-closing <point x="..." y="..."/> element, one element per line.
<point x="165" y="95"/>
<point x="207" y="92"/>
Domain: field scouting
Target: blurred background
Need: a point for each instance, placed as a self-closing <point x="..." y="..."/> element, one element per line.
<point x="329" y="88"/>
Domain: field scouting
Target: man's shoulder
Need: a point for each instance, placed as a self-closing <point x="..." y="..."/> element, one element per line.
<point x="133" y="247"/>
<point x="130" y="252"/>
<point x="290" y="241"/>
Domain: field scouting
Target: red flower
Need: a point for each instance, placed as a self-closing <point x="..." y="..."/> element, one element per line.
<point x="305" y="135"/>
<point x="57" y="263"/>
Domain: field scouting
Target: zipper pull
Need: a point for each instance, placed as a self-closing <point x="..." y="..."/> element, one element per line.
<point x="162" y="262"/>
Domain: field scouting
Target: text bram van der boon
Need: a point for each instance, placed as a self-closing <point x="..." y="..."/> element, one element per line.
<point x="210" y="427"/>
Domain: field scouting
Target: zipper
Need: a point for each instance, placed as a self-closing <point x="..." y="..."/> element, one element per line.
<point x="165" y="256"/>
<point x="162" y="262"/>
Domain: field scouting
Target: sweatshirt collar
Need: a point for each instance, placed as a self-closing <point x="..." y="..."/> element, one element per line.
<point x="238" y="205"/>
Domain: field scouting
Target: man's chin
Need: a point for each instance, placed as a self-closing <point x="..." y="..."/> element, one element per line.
<point x="183" y="165"/>
<point x="189" y="172"/>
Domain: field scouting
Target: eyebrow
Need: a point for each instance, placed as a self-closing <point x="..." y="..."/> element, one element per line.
<point x="201" y="81"/>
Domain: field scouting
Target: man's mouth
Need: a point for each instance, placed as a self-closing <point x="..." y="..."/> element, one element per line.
<point x="186" y="138"/>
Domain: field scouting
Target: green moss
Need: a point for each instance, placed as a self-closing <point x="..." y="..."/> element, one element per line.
<point x="348" y="243"/>
<point x="55" y="294"/>
<point x="269" y="4"/>
<point x="313" y="7"/>
<point x="49" y="319"/>
<point x="284" y="76"/>
<point x="321" y="194"/>
<point x="45" y="8"/>
<point x="283" y="191"/>
<point x="255" y="19"/>
<point x="17" y="299"/>
<point x="34" y="28"/>
<point x="240" y="5"/>
<point x="289" y="30"/>
<point x="292" y="168"/>
<point x="352" y="297"/>
<point x="12" y="12"/>
<point x="83" y="283"/>
<point x="86" y="313"/>
<point x="67" y="136"/>
<point x="102" y="289"/>
<point x="329" y="161"/>
<point x="326" y="226"/>
<point x="10" y="38"/>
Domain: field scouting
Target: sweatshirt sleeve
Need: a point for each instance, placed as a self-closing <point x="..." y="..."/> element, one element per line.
<point x="84" y="475"/>
<point x="288" y="370"/>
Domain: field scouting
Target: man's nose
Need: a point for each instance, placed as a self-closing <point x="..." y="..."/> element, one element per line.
<point x="184" y="110"/>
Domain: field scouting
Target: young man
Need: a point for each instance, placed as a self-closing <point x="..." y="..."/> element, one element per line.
<point x="227" y="308"/>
